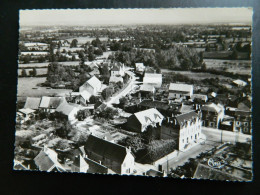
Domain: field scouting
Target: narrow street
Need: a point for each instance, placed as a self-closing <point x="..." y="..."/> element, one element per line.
<point x="125" y="91"/>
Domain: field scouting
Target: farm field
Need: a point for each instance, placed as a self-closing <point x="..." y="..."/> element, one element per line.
<point x="40" y="71"/>
<point x="83" y="40"/>
<point x="44" y="64"/>
<point x="196" y="75"/>
<point x="236" y="66"/>
<point x="25" y="85"/>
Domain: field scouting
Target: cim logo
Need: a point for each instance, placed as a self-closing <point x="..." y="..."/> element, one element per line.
<point x="215" y="164"/>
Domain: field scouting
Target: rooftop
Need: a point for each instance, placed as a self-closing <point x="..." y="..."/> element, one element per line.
<point x="151" y="114"/>
<point x="32" y="103"/>
<point x="180" y="87"/>
<point x="105" y="148"/>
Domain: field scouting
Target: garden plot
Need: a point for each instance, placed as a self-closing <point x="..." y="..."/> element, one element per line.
<point x="235" y="66"/>
<point x="27" y="87"/>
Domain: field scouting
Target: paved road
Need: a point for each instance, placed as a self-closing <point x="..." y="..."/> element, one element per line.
<point x="125" y="91"/>
<point x="213" y="138"/>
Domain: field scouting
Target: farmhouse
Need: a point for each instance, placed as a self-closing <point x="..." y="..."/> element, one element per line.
<point x="212" y="115"/>
<point x="32" y="103"/>
<point x="49" y="104"/>
<point x="47" y="160"/>
<point x="147" y="91"/>
<point x="118" y="70"/>
<point x="177" y="91"/>
<point x="139" y="121"/>
<point x="152" y="79"/>
<point x="185" y="128"/>
<point x="93" y="86"/>
<point x="116" y="157"/>
<point x="68" y="110"/>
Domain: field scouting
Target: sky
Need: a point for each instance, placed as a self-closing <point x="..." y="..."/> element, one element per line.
<point x="135" y="16"/>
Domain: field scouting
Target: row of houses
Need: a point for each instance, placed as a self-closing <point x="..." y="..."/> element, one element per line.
<point x="96" y="156"/>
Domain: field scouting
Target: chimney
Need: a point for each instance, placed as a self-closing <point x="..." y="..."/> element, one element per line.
<point x="100" y="162"/>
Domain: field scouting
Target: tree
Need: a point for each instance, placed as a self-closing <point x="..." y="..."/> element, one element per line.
<point x="24" y="74"/>
<point x="93" y="99"/>
<point x="122" y="102"/>
<point x="108" y="113"/>
<point x="74" y="43"/>
<point x="82" y="114"/>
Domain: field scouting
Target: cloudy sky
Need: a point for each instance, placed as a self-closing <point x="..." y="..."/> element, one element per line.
<point x="135" y="16"/>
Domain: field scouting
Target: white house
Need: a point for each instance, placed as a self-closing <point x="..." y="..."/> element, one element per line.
<point x="68" y="110"/>
<point x="47" y="160"/>
<point x="152" y="79"/>
<point x="139" y="121"/>
<point x="212" y="114"/>
<point x="79" y="165"/>
<point x="114" y="156"/>
<point x="118" y="70"/>
<point x="177" y="91"/>
<point x="186" y="127"/>
<point x="93" y="86"/>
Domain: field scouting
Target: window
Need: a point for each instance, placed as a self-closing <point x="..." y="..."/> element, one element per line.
<point x="190" y="137"/>
<point x="246" y="123"/>
<point x="187" y="140"/>
<point x="237" y="123"/>
<point x="182" y="140"/>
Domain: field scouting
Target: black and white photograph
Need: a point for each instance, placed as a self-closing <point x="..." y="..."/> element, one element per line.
<point x="143" y="92"/>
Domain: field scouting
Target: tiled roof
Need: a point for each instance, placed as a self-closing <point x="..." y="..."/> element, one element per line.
<point x="51" y="102"/>
<point x="65" y="108"/>
<point x="180" y="87"/>
<point x="26" y="110"/>
<point x="86" y="95"/>
<point x="105" y="148"/>
<point x="148" y="88"/>
<point x="151" y="115"/>
<point x="93" y="81"/>
<point x="199" y="96"/>
<point x="212" y="108"/>
<point x="186" y="108"/>
<point x="95" y="167"/>
<point x="186" y="117"/>
<point x="152" y="78"/>
<point x="45" y="162"/>
<point x="32" y="103"/>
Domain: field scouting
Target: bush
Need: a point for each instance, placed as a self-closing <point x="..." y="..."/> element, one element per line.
<point x="158" y="149"/>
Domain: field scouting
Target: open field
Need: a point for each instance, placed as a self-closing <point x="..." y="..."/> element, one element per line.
<point x="196" y="75"/>
<point x="235" y="66"/>
<point x="44" y="64"/>
<point x="40" y="71"/>
<point x="83" y="40"/>
<point x="25" y="85"/>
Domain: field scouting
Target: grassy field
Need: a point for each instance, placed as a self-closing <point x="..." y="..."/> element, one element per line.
<point x="236" y="66"/>
<point x="25" y="88"/>
<point x="44" y="64"/>
<point x="196" y="75"/>
<point x="40" y="71"/>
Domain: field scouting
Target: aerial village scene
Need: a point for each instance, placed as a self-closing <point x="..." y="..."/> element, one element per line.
<point x="162" y="100"/>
